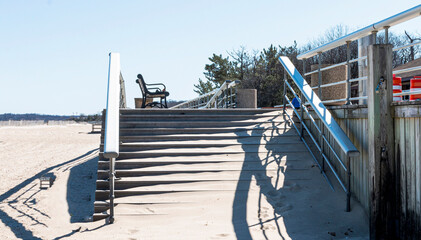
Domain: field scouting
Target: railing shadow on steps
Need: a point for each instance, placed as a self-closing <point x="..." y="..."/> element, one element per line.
<point x="269" y="191"/>
<point x="326" y="122"/>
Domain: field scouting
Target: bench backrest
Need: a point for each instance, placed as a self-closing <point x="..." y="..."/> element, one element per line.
<point x="142" y="84"/>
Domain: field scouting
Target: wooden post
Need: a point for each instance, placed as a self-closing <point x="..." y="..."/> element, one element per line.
<point x="382" y="168"/>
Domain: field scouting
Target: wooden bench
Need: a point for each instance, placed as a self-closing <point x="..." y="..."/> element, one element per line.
<point x="160" y="93"/>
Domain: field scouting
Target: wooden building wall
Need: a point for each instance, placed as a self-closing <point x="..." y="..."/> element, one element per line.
<point x="407" y="121"/>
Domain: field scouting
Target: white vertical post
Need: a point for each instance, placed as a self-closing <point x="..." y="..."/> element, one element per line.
<point x="112" y="125"/>
<point x="111" y="140"/>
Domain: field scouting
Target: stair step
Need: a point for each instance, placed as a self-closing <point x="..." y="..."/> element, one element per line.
<point x="205" y="145"/>
<point x="103" y="206"/>
<point x="103" y="174"/>
<point x="240" y="156"/>
<point x="218" y="143"/>
<point x="205" y="177"/>
<point x="185" y="164"/>
<point x="147" y="163"/>
<point x="208" y="138"/>
<point x="240" y="131"/>
<point x="209" y="144"/>
<point x="121" y="165"/>
<point x="102" y="195"/>
<point x="206" y="148"/>
<point x="200" y="124"/>
<point x="219" y="112"/>
<point x="166" y="208"/>
<point x="157" y="153"/>
<point x="175" y="117"/>
<point x="128" y="183"/>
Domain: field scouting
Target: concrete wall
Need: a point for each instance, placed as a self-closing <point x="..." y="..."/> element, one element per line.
<point x="246" y="98"/>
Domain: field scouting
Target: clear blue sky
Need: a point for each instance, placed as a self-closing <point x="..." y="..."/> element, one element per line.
<point x="54" y="54"/>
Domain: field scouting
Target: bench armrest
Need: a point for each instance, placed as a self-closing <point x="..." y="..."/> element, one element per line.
<point x="155" y="84"/>
<point x="155" y="88"/>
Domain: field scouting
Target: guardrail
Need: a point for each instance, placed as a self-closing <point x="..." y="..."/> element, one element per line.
<point x="369" y="30"/>
<point x="115" y="100"/>
<point x="328" y="122"/>
<point x="223" y="97"/>
<point x="372" y="30"/>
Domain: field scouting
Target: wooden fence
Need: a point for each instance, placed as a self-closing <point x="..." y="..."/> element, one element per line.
<point x="353" y="120"/>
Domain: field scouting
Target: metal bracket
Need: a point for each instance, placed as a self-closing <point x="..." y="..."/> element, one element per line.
<point x="382" y="80"/>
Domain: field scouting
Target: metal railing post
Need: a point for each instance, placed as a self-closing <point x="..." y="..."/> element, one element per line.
<point x="319" y="58"/>
<point x="348" y="64"/>
<point x="231" y="97"/>
<point x="236" y="101"/>
<point x="112" y="195"/>
<point x="348" y="192"/>
<point x="321" y="141"/>
<point x="302" y="115"/>
<point x="285" y="88"/>
<point x="226" y="97"/>
<point x="374" y="36"/>
<point x="302" y="99"/>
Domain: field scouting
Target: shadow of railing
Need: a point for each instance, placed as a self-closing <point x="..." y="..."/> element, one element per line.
<point x="17" y="227"/>
<point x="81" y="190"/>
<point x="270" y="189"/>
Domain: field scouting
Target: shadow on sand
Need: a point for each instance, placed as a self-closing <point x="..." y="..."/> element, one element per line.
<point x="81" y="190"/>
<point x="15" y="226"/>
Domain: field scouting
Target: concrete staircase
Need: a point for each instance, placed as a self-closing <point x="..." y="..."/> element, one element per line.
<point x="175" y="161"/>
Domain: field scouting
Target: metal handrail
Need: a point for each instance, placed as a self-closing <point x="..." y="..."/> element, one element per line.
<point x="407" y="70"/>
<point x="197" y="99"/>
<point x="383" y="24"/>
<point x="225" y="85"/>
<point x="371" y="29"/>
<point x="115" y="99"/>
<point x="111" y="139"/>
<point x="335" y="65"/>
<point x="407" y="93"/>
<point x="346" y="145"/>
<point x="211" y="99"/>
<point x="406" y="46"/>
<point x="326" y="119"/>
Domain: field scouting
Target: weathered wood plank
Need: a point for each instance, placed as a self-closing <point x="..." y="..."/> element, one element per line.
<point x="403" y="182"/>
<point x="381" y="143"/>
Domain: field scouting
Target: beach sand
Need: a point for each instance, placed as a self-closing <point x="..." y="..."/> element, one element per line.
<point x="69" y="154"/>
